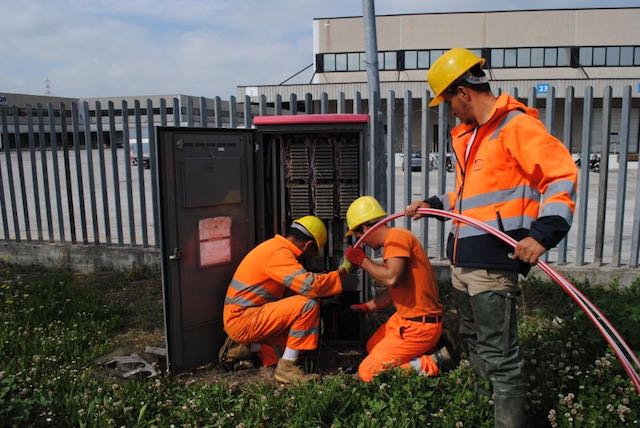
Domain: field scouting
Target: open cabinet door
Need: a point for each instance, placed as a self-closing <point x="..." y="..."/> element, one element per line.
<point x="205" y="185"/>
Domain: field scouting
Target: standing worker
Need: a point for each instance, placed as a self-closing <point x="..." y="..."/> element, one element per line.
<point x="415" y="327"/>
<point x="506" y="163"/>
<point x="257" y="315"/>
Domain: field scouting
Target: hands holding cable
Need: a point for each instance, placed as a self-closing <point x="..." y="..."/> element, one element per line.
<point x="528" y="250"/>
<point x="355" y="255"/>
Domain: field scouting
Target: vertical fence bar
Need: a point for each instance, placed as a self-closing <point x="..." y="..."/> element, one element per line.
<point x="584" y="175"/>
<point x="324" y="103"/>
<point x="203" y="112"/>
<point x="34" y="171"/>
<point x="293" y="104"/>
<point x="566" y="139"/>
<point x="92" y="185"/>
<point x="406" y="149"/>
<point x="514" y="92"/>
<point x="103" y="174"/>
<point x="277" y="105"/>
<point x="391" y="162"/>
<point x="56" y="170"/>
<point x="635" y="235"/>
<point x="153" y="167"/>
<point x="425" y="144"/>
<point x="23" y="193"/>
<point x="177" y="114"/>
<point x="442" y="176"/>
<point x="531" y="100"/>
<point x="621" y="188"/>
<point x="247" y="112"/>
<point x="308" y="103"/>
<point x="141" y="187"/>
<point x="233" y="112"/>
<point x="263" y="105"/>
<point x="64" y="144"/>
<point x="45" y="170"/>
<point x="190" y="119"/>
<point x="76" y="151"/>
<point x="342" y="105"/>
<point x="23" y="187"/>
<point x="217" y="112"/>
<point x="115" y="169"/>
<point x="163" y="112"/>
<point x="603" y="181"/>
<point x="127" y="164"/>
<point x="3" y="208"/>
<point x="357" y="103"/>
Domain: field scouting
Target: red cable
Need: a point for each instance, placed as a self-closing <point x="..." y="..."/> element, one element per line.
<point x="592" y="311"/>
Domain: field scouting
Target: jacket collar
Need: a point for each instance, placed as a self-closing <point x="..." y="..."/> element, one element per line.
<point x="295" y="250"/>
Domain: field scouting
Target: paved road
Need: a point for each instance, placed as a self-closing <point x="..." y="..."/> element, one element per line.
<point x="122" y="202"/>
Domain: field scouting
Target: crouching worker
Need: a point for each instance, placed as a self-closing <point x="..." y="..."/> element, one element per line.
<point x="414" y="329"/>
<point x="257" y="315"/>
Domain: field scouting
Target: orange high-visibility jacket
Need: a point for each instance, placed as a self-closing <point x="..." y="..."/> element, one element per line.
<point x="516" y="177"/>
<point x="271" y="268"/>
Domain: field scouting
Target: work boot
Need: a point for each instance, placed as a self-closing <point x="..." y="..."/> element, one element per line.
<point x="443" y="359"/>
<point x="509" y="412"/>
<point x="231" y="353"/>
<point x="288" y="372"/>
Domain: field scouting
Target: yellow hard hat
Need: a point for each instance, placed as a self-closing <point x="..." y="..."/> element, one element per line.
<point x="363" y="210"/>
<point x="449" y="68"/>
<point x="314" y="226"/>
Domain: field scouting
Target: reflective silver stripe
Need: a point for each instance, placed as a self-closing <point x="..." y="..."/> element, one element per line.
<point x="238" y="285"/>
<point x="310" y="304"/>
<point x="239" y="301"/>
<point x="257" y="289"/>
<point x="303" y="333"/>
<point x="509" y="224"/>
<point x="307" y="284"/>
<point x="288" y="280"/>
<point x="500" y="196"/>
<point x="561" y="186"/>
<point x="506" y="120"/>
<point x="446" y="204"/>
<point x="559" y="209"/>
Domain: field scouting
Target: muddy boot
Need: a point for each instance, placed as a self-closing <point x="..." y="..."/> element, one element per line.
<point x="231" y="353"/>
<point x="288" y="372"/>
<point x="444" y="359"/>
<point x="509" y="412"/>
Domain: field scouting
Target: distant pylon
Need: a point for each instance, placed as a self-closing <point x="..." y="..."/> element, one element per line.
<point x="47" y="86"/>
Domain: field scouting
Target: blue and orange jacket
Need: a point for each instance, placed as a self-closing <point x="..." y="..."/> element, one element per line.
<point x="517" y="177"/>
<point x="269" y="270"/>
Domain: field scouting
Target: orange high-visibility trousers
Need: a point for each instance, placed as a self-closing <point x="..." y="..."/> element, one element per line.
<point x="292" y="321"/>
<point x="397" y="342"/>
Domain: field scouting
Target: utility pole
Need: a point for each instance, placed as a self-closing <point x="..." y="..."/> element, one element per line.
<point x="377" y="162"/>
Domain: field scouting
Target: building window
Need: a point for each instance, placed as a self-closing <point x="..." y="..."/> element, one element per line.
<point x="497" y="58"/>
<point x="510" y="56"/>
<point x="599" y="56"/>
<point x="423" y="59"/>
<point x="329" y="62"/>
<point x="636" y="56"/>
<point x="537" y="57"/>
<point x="613" y="56"/>
<point x="564" y="57"/>
<point x="410" y="60"/>
<point x="341" y="62"/>
<point x="626" y="55"/>
<point x="524" y="57"/>
<point x="390" y="61"/>
<point x="550" y="57"/>
<point x="586" y="57"/>
<point x="353" y="62"/>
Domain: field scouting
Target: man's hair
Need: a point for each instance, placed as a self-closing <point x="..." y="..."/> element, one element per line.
<point x="468" y="81"/>
<point x="300" y="236"/>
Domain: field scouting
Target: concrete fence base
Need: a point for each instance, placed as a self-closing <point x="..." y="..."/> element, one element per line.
<point x="89" y="258"/>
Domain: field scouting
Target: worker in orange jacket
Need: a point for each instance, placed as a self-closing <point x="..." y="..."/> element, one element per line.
<point x="414" y="329"/>
<point x="512" y="174"/>
<point x="258" y="315"/>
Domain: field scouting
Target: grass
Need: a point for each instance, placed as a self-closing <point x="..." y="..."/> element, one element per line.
<point x="54" y="325"/>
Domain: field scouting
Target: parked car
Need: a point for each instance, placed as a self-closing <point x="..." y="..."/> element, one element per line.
<point x="133" y="154"/>
<point x="416" y="162"/>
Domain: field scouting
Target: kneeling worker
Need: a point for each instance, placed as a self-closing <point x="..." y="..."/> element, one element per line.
<point x="257" y="315"/>
<point x="415" y="328"/>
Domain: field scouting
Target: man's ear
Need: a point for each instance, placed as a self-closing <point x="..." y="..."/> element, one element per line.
<point x="307" y="246"/>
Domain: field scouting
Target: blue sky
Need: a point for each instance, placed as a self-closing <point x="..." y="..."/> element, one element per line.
<point x="88" y="48"/>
